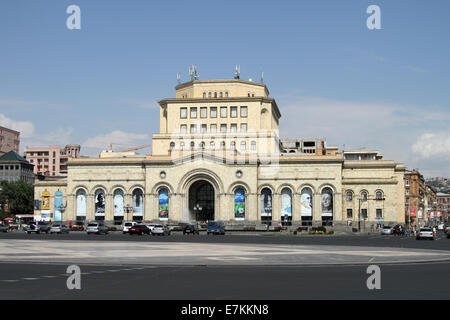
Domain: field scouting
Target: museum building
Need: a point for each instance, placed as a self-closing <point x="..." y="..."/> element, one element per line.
<point x="218" y="156"/>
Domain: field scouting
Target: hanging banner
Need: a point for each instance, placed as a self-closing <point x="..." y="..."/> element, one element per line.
<point x="239" y="205"/>
<point x="138" y="203"/>
<point x="327" y="202"/>
<point x="306" y="203"/>
<point x="286" y="204"/>
<point x="118" y="204"/>
<point x="266" y="203"/>
<point x="57" y="206"/>
<point x="45" y="200"/>
<point x="99" y="203"/>
<point x="164" y="204"/>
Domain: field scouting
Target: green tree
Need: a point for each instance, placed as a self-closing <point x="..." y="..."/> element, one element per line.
<point x="18" y="195"/>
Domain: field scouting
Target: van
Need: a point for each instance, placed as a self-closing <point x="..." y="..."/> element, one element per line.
<point x="127" y="225"/>
<point x="216" y="227"/>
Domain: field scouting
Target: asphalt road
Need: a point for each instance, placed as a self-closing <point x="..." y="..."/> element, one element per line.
<point x="374" y="240"/>
<point x="48" y="282"/>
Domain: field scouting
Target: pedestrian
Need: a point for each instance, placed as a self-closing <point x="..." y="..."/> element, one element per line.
<point x="405" y="232"/>
<point x="70" y="225"/>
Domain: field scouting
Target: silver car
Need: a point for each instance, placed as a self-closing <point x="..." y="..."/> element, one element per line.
<point x="425" y="233"/>
<point x="97" y="228"/>
<point x="387" y="230"/>
<point x="59" y="228"/>
<point x="160" y="230"/>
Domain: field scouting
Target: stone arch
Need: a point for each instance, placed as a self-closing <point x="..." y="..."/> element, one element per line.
<point x="136" y="186"/>
<point x="286" y="185"/>
<point x="306" y="185"/>
<point x="200" y="174"/>
<point x="160" y="185"/>
<point x="239" y="184"/>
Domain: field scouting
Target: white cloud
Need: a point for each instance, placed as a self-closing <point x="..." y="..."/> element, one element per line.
<point x="25" y="128"/>
<point x="432" y="145"/>
<point x="116" y="138"/>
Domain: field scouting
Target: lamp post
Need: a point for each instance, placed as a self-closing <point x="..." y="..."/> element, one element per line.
<point x="128" y="209"/>
<point x="61" y="209"/>
<point x="198" y="210"/>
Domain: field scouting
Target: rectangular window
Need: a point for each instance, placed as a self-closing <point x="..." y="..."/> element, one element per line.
<point x="194" y="113"/>
<point x="233" y="127"/>
<point x="364" y="213"/>
<point x="379" y="213"/>
<point x="203" y="128"/>
<point x="214" y="128"/>
<point x="226" y="94"/>
<point x="213" y="112"/>
<point x="193" y="128"/>
<point x="223" y="128"/>
<point x="203" y="112"/>
<point x="349" y="213"/>
<point x="407" y="192"/>
<point x="223" y="112"/>
<point x="243" y="127"/>
<point x="221" y="94"/>
<point x="243" y="112"/>
<point x="407" y="183"/>
<point x="233" y="112"/>
<point x="183" y="128"/>
<point x="183" y="113"/>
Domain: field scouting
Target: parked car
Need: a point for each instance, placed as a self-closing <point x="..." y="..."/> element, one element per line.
<point x="139" y="229"/>
<point x="59" y="228"/>
<point x="38" y="227"/>
<point x="425" y="233"/>
<point x="160" y="230"/>
<point x="441" y="226"/>
<point x="152" y="225"/>
<point x="387" y="230"/>
<point x="97" y="228"/>
<point x="216" y="227"/>
<point x="191" y="229"/>
<point x="3" y="228"/>
<point x="127" y="225"/>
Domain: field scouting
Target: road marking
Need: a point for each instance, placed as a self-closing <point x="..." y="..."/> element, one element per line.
<point x="30" y="279"/>
<point x="10" y="281"/>
<point x="49" y="277"/>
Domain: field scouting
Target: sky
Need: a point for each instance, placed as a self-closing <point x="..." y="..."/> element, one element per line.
<point x="331" y="76"/>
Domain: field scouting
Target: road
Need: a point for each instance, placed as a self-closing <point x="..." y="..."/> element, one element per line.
<point x="231" y="267"/>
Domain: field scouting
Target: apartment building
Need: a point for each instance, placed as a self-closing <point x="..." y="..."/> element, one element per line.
<point x="52" y="160"/>
<point x="9" y="140"/>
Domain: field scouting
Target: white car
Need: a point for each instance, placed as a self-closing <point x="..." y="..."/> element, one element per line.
<point x="160" y="230"/>
<point x="128" y="225"/>
<point x="152" y="225"/>
<point x="441" y="226"/>
<point x="425" y="233"/>
<point x="387" y="230"/>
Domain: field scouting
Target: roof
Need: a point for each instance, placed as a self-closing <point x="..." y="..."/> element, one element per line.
<point x="12" y="156"/>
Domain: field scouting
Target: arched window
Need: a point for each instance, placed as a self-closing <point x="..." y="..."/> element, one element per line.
<point x="81" y="205"/>
<point x="100" y="203"/>
<point x="306" y="204"/>
<point x="286" y="206"/>
<point x="379" y="195"/>
<point x="192" y="145"/>
<point x="239" y="204"/>
<point x="172" y="145"/>
<point x="364" y="195"/>
<point x="138" y="204"/>
<point x="243" y="145"/>
<point x="202" y="145"/>
<point x="118" y="203"/>
<point x="163" y="201"/>
<point x="212" y="145"/>
<point x="266" y="204"/>
<point x="327" y="207"/>
<point x="182" y="145"/>
<point x="253" y="146"/>
<point x="233" y="145"/>
<point x="349" y="196"/>
<point x="222" y="145"/>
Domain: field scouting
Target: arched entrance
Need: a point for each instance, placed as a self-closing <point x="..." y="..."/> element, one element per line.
<point x="201" y="201"/>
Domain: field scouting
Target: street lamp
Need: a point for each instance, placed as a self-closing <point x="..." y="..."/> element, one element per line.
<point x="198" y="210"/>
<point x="61" y="209"/>
<point x="128" y="208"/>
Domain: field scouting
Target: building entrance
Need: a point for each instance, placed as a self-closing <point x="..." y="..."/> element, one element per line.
<point x="201" y="201"/>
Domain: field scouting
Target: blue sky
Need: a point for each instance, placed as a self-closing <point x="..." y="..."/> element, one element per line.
<point x="382" y="89"/>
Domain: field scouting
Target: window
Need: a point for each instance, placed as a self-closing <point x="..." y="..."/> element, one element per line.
<point x="203" y="112"/>
<point x="193" y="128"/>
<point x="172" y="145"/>
<point x="379" y="195"/>
<point x="364" y="196"/>
<point x="213" y="128"/>
<point x="407" y="183"/>
<point x="223" y="128"/>
<point x="364" y="213"/>
<point x="349" y="196"/>
<point x="215" y="94"/>
<point x="213" y="112"/>
<point x="233" y="127"/>
<point x="194" y="113"/>
<point x="222" y="145"/>
<point x="233" y="145"/>
<point x="226" y="94"/>
<point x="203" y="130"/>
<point x="183" y="113"/>
<point x="243" y="112"/>
<point x="253" y="145"/>
<point x="182" y="145"/>
<point x="204" y="95"/>
<point x="243" y="145"/>
<point x="223" y="112"/>
<point x="221" y="94"/>
<point x="243" y="127"/>
<point x="202" y="145"/>
<point x="209" y="94"/>
<point x="379" y="213"/>
<point x="212" y="145"/>
<point x="192" y="145"/>
<point x="349" y="213"/>
<point x="407" y="192"/>
<point x="183" y="128"/>
<point x="233" y="112"/>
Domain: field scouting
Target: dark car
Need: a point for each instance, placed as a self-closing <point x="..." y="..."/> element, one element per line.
<point x="216" y="227"/>
<point x="139" y="229"/>
<point x="38" y="227"/>
<point x="191" y="229"/>
<point x="3" y="228"/>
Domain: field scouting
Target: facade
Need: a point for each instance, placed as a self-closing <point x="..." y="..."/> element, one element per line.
<point x="9" y="140"/>
<point x="443" y="207"/>
<point x="218" y="156"/>
<point x="415" y="196"/>
<point x="14" y="168"/>
<point x="52" y="161"/>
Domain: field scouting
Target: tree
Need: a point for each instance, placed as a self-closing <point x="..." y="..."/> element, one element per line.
<point x="18" y="195"/>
